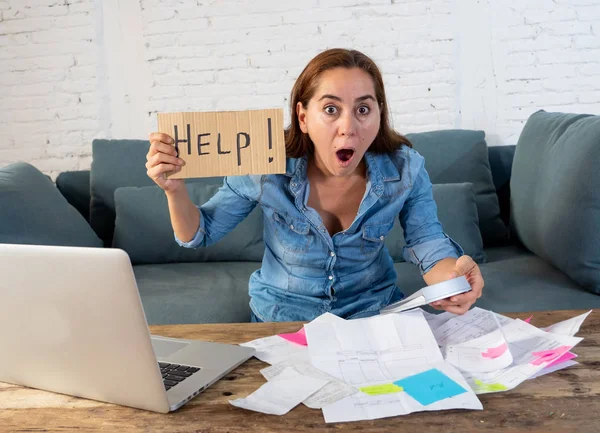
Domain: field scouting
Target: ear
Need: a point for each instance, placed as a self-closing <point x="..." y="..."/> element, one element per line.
<point x="301" y="113"/>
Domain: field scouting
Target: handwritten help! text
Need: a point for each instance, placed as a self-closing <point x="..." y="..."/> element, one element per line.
<point x="226" y="143"/>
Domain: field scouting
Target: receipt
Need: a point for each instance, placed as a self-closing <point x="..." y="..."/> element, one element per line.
<point x="282" y="394"/>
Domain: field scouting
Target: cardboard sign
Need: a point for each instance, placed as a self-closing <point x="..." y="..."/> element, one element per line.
<point x="226" y="143"/>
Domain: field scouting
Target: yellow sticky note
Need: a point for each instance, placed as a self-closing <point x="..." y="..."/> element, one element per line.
<point x="388" y="388"/>
<point x="490" y="387"/>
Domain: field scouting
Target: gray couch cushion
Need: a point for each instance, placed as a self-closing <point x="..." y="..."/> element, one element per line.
<point x="143" y="229"/>
<point x="496" y="254"/>
<point x="118" y="163"/>
<point x="554" y="193"/>
<point x="115" y="163"/>
<point x="528" y="283"/>
<point x="456" y="156"/>
<point x="33" y="211"/>
<point x="195" y="292"/>
<point x="457" y="213"/>
<point x="75" y="187"/>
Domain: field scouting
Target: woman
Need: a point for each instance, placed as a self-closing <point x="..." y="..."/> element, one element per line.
<point x="348" y="177"/>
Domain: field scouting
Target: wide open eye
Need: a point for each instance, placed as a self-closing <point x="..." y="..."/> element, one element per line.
<point x="331" y="109"/>
<point x="364" y="110"/>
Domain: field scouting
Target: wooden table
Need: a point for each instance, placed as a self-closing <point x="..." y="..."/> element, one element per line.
<point x="565" y="401"/>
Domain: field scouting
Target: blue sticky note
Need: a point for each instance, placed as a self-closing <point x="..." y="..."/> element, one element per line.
<point x="430" y="386"/>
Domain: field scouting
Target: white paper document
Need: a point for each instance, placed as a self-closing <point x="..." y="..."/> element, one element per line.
<point x="380" y="351"/>
<point x="553" y="368"/>
<point x="437" y="320"/>
<point x="475" y="323"/>
<point x="487" y="353"/>
<point x="275" y="349"/>
<point x="333" y="391"/>
<point x="282" y="394"/>
<point x="532" y="350"/>
<point x="366" y="351"/>
<point x="568" y="327"/>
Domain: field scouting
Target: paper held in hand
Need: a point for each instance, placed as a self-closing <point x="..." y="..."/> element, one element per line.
<point x="430" y="294"/>
<point x="226" y="143"/>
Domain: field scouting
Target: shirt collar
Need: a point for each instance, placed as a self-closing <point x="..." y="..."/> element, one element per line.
<point x="380" y="168"/>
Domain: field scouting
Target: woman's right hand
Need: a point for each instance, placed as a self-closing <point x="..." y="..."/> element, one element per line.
<point x="162" y="158"/>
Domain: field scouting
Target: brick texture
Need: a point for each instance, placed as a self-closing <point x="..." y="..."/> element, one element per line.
<point x="235" y="55"/>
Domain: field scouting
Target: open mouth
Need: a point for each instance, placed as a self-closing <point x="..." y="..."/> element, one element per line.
<point x="345" y="155"/>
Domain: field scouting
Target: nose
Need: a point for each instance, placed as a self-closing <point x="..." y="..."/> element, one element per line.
<point x="347" y="125"/>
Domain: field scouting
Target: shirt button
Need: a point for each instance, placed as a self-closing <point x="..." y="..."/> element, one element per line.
<point x="381" y="237"/>
<point x="293" y="185"/>
<point x="331" y="277"/>
<point x="292" y="226"/>
<point x="332" y="254"/>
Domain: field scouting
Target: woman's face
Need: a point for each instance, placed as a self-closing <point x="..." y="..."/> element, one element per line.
<point x="342" y="119"/>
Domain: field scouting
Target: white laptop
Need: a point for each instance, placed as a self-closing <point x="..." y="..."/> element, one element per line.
<point x="71" y="321"/>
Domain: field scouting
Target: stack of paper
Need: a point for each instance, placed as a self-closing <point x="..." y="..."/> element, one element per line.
<point x="471" y="343"/>
<point x="395" y="362"/>
<point x="405" y="362"/>
<point x="368" y="368"/>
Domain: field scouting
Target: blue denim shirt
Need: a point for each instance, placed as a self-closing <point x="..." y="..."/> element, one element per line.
<point x="305" y="271"/>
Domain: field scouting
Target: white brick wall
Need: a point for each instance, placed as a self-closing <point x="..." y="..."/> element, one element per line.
<point x="72" y="70"/>
<point x="48" y="83"/>
<point x="550" y="60"/>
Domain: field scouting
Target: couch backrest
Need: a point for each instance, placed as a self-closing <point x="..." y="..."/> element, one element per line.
<point x="120" y="163"/>
<point x="555" y="203"/>
<point x="501" y="161"/>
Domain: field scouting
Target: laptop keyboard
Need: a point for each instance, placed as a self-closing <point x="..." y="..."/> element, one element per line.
<point x="174" y="374"/>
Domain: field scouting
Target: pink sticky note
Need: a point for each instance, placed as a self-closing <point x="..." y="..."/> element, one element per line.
<point x="566" y="357"/>
<point x="296" y="337"/>
<point x="495" y="352"/>
<point x="549" y="355"/>
<point x="528" y="319"/>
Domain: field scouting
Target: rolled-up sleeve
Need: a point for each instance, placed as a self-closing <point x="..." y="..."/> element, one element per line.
<point x="223" y="211"/>
<point x="426" y="242"/>
<point x="198" y="237"/>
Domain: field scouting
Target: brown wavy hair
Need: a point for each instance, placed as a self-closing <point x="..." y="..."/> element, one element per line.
<point x="297" y="143"/>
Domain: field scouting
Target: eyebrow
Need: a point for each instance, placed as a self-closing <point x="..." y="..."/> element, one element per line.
<point x="337" y="98"/>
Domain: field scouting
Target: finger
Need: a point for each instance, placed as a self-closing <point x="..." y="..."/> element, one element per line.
<point x="464" y="297"/>
<point x="475" y="278"/>
<point x="464" y="265"/>
<point x="458" y="309"/>
<point x="437" y="306"/>
<point x="476" y="290"/>
<point x="158" y="171"/>
<point x="160" y="147"/>
<point x="160" y="136"/>
<point x="163" y="158"/>
<point x="476" y="283"/>
<point x="444" y="303"/>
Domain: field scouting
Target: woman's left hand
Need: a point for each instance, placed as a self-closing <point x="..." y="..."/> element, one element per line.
<point x="460" y="304"/>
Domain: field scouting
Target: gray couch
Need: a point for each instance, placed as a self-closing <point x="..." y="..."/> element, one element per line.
<point x="530" y="214"/>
